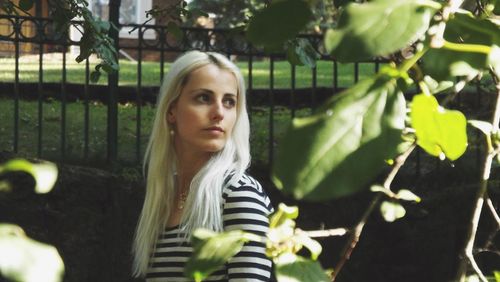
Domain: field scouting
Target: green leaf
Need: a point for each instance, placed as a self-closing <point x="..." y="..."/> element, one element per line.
<point x="283" y="213"/>
<point x="407" y="195"/>
<point x="278" y="22"/>
<point x="484" y="126"/>
<point x="212" y="250"/>
<point x="437" y="87"/>
<point x="463" y="28"/>
<point x="24" y="259"/>
<point x="382" y="189"/>
<point x="497" y="275"/>
<point x="44" y="173"/>
<point x="94" y="76"/>
<point x="300" y="52"/>
<point x="377" y="28"/>
<point x="321" y="156"/>
<point x="496" y="8"/>
<point x="440" y="132"/>
<point x="312" y="245"/>
<point x="392" y="211"/>
<point x="26" y="5"/>
<point x="290" y="267"/>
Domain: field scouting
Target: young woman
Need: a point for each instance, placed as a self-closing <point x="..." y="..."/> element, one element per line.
<point x="195" y="166"/>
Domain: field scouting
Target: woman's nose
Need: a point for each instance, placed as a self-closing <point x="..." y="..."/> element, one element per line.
<point x="218" y="111"/>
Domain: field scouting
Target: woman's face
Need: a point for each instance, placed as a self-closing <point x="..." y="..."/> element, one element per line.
<point x="205" y="112"/>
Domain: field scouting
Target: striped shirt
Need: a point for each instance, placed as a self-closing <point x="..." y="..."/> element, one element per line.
<point x="245" y="207"/>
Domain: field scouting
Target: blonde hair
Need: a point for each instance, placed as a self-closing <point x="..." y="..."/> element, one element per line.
<point x="159" y="163"/>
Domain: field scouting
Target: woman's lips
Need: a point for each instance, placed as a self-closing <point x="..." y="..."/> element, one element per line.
<point x="215" y="130"/>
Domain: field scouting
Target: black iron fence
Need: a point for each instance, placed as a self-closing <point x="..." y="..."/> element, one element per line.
<point x="71" y="119"/>
<point x="34" y="38"/>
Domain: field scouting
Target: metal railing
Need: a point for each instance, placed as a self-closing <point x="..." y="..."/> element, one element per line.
<point x="152" y="41"/>
<point x="271" y="100"/>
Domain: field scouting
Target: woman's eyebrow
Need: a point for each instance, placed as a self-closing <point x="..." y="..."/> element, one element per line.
<point x="206" y="90"/>
<point x="231" y="94"/>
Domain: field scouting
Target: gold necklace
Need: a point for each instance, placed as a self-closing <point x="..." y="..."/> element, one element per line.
<point x="182" y="199"/>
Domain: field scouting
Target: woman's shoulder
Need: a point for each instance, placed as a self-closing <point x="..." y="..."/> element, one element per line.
<point x="247" y="189"/>
<point x="245" y="182"/>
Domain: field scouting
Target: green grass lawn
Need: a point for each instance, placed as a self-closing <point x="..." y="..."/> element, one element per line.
<point x="51" y="126"/>
<point x="52" y="72"/>
<point x="51" y="129"/>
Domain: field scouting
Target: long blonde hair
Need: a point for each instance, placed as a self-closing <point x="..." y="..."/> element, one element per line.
<point x="159" y="163"/>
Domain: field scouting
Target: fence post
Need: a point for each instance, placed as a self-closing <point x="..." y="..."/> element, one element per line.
<point x="114" y="9"/>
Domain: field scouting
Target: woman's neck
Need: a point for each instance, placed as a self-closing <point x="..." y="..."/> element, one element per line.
<point x="188" y="166"/>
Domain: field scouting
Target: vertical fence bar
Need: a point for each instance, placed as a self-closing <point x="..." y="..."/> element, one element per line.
<point x="162" y="52"/>
<point x="40" y="88"/>
<point x="17" y="30"/>
<point x="377" y="65"/>
<point x="139" y="98"/>
<point x="63" y="102"/>
<point x="292" y="92"/>
<point x="112" y="126"/>
<point x="335" y="76"/>
<point x="250" y="84"/>
<point x="86" y="118"/>
<point x="356" y="72"/>
<point x="271" y="112"/>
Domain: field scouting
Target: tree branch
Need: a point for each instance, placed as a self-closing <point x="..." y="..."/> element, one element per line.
<point x="467" y="252"/>
<point x="358" y="229"/>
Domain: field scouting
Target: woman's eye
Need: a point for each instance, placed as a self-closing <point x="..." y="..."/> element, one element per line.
<point x="203" y="98"/>
<point x="229" y="102"/>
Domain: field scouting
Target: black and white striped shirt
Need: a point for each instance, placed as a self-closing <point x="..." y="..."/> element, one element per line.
<point x="245" y="207"/>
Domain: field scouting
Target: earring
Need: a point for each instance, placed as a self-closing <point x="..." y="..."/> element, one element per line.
<point x="172" y="132"/>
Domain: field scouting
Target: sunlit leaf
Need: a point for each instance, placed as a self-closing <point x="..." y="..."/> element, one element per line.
<point x="463" y="27"/>
<point x="379" y="188"/>
<point x="320" y="156"/>
<point x="439" y="131"/>
<point x="44" y="173"/>
<point x="24" y="259"/>
<point x="278" y="22"/>
<point x="435" y="86"/>
<point x="407" y="195"/>
<point x="497" y="275"/>
<point x="284" y="212"/>
<point x="312" y="245"/>
<point x="484" y="126"/>
<point x="293" y="268"/>
<point x="392" y="211"/>
<point x="212" y="250"/>
<point x="377" y="28"/>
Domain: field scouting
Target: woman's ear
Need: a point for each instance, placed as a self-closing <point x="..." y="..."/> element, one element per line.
<point x="170" y="116"/>
<point x="171" y="113"/>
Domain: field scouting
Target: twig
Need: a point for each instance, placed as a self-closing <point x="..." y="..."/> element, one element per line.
<point x="479" y="199"/>
<point x="325" y="233"/>
<point x="493" y="211"/>
<point x="437" y="39"/>
<point x="358" y="229"/>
